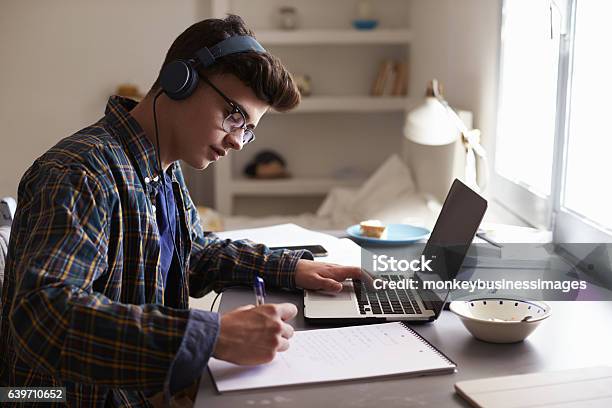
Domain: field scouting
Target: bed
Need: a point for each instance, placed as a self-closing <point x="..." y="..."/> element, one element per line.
<point x="388" y="195"/>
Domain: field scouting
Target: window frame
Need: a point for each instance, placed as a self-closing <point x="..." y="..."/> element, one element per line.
<point x="548" y="212"/>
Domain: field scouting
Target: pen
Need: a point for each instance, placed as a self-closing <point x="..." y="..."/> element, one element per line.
<point x="260" y="291"/>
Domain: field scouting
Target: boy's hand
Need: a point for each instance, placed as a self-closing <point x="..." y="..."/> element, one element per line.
<point x="253" y="335"/>
<point x="324" y="276"/>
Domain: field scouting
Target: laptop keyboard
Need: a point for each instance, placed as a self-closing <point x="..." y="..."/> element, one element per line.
<point x="388" y="301"/>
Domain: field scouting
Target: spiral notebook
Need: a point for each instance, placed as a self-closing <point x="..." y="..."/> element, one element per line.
<point x="338" y="354"/>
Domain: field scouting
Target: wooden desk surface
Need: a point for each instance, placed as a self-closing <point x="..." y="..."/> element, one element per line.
<point x="577" y="334"/>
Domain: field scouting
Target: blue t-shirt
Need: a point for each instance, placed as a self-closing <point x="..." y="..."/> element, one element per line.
<point x="164" y="215"/>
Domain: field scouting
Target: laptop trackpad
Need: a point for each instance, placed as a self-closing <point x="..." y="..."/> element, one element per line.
<point x="343" y="295"/>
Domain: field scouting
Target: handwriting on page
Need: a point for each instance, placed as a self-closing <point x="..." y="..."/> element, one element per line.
<point x="337" y="347"/>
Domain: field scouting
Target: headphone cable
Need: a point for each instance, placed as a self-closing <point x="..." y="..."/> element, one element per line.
<point x="224" y="288"/>
<point x="163" y="177"/>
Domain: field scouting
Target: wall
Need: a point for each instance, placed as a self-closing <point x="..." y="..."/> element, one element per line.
<point x="61" y="60"/>
<point x="457" y="42"/>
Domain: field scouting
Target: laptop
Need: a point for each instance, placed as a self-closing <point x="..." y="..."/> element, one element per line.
<point x="448" y="243"/>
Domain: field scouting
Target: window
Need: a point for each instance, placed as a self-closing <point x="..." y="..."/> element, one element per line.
<point x="587" y="190"/>
<point x="552" y="160"/>
<point x="528" y="95"/>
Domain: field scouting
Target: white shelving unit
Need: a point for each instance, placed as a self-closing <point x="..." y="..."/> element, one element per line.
<point x="355" y="103"/>
<point x="280" y="187"/>
<point x="344" y="65"/>
<point x="336" y="37"/>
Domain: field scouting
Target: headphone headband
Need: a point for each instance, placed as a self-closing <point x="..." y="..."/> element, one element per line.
<point x="179" y="78"/>
<point x="232" y="45"/>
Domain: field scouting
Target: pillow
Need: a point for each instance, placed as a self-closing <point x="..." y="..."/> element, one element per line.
<point x="4" y="240"/>
<point x="408" y="208"/>
<point x="8" y="205"/>
<point x="337" y="208"/>
<point x="388" y="195"/>
<point x="391" y="181"/>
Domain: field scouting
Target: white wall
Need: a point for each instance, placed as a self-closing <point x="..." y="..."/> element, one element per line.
<point x="60" y="60"/>
<point x="456" y="41"/>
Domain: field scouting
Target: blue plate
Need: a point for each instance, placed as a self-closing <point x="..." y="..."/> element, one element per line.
<point x="397" y="234"/>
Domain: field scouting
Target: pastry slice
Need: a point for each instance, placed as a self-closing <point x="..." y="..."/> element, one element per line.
<point x="372" y="229"/>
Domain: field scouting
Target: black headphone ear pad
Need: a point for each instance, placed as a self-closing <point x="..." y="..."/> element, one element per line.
<point x="178" y="79"/>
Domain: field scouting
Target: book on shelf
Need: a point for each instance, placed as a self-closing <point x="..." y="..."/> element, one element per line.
<point x="400" y="85"/>
<point x="392" y="79"/>
<point x="385" y="72"/>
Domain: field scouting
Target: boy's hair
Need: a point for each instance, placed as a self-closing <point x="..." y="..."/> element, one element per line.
<point x="263" y="73"/>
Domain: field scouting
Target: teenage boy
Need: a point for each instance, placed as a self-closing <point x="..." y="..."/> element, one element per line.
<point x="106" y="249"/>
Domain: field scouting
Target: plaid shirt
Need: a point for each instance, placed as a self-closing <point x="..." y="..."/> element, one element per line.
<point x="84" y="301"/>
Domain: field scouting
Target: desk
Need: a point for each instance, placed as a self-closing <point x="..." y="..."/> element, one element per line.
<point x="564" y="340"/>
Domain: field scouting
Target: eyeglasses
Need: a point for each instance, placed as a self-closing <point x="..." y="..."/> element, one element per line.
<point x="236" y="119"/>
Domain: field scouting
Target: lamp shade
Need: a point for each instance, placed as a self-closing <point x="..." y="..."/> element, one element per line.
<point x="429" y="124"/>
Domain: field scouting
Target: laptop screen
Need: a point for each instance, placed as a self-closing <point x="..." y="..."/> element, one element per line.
<point x="450" y="240"/>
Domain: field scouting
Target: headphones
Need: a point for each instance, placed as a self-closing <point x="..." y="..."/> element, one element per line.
<point x="179" y="78"/>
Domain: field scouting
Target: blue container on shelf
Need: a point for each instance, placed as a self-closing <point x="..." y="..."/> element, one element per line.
<point x="365" y="24"/>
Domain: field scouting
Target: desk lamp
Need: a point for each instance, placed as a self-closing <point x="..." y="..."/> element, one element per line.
<point x="435" y="123"/>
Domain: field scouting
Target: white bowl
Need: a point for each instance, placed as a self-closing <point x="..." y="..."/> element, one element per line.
<point x="499" y="320"/>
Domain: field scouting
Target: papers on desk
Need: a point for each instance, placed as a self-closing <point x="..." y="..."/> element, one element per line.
<point x="346" y="252"/>
<point x="279" y="235"/>
<point x="341" y="251"/>
<point x="515" y="248"/>
<point x="337" y="354"/>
